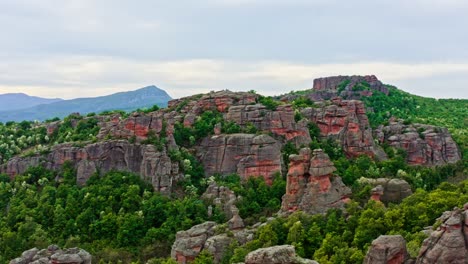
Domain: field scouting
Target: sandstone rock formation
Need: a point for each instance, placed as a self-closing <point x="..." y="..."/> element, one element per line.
<point x="327" y="88"/>
<point x="387" y="250"/>
<point x="394" y="190"/>
<point x="280" y="122"/>
<point x="347" y="122"/>
<point x="54" y="255"/>
<point x="449" y="243"/>
<point x="245" y="154"/>
<point x="222" y="197"/>
<point x="311" y="186"/>
<point x="425" y="144"/>
<point x="190" y="243"/>
<point x="154" y="166"/>
<point x="285" y="254"/>
<point x="376" y="193"/>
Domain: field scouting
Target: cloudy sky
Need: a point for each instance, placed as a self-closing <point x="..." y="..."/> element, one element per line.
<point x="79" y="48"/>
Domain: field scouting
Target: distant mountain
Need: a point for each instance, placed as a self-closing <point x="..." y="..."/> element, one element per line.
<point x="127" y="101"/>
<point x="15" y="101"/>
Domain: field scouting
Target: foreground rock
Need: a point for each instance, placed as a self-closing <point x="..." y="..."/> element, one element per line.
<point x="424" y="144"/>
<point x="346" y="122"/>
<point x="311" y="186"/>
<point x="285" y="254"/>
<point x="154" y="166"/>
<point x="54" y="255"/>
<point x="449" y="243"/>
<point x="207" y="236"/>
<point x="387" y="250"/>
<point x="244" y="154"/>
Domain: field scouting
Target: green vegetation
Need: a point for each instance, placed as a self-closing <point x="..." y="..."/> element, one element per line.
<point x="18" y="137"/>
<point x="268" y="102"/>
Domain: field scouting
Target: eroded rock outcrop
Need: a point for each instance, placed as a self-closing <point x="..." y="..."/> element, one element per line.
<point x="328" y="87"/>
<point x="387" y="250"/>
<point x="311" y="186"/>
<point x="221" y="197"/>
<point x="190" y="243"/>
<point x="347" y="122"/>
<point x="285" y="254"/>
<point x="393" y="190"/>
<point x="152" y="165"/>
<point x="244" y="154"/>
<point x="280" y="121"/>
<point x="54" y="255"/>
<point x="424" y="144"/>
<point x="449" y="243"/>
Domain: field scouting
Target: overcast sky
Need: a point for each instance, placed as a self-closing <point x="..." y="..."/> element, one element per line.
<point x="79" y="48"/>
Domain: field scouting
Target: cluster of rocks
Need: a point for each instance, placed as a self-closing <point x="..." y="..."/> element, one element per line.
<point x="346" y="122"/>
<point x="447" y="244"/>
<point x="285" y="254"/>
<point x="425" y="144"/>
<point x="54" y="255"/>
<point x="311" y="186"/>
<point x="388" y="190"/>
<point x="152" y="165"/>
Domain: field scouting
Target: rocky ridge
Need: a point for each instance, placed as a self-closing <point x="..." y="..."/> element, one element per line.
<point x="54" y="255"/>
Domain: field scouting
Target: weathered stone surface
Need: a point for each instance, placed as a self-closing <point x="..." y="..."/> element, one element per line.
<point x="220" y="101"/>
<point x="394" y="190"/>
<point x="425" y="144"/>
<point x="54" y="255"/>
<point x="448" y="244"/>
<point x="245" y="154"/>
<point x="387" y="250"/>
<point x="236" y="222"/>
<point x="222" y="197"/>
<point x="280" y="122"/>
<point x="285" y="254"/>
<point x="311" y="187"/>
<point x="376" y="193"/>
<point x="346" y="122"/>
<point x="327" y="88"/>
<point x="154" y="166"/>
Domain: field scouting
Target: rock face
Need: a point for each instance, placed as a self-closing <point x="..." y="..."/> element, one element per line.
<point x="190" y="243"/>
<point x="222" y="197"/>
<point x="245" y="154"/>
<point x="394" y="190"/>
<point x="387" y="250"/>
<point x="346" y="122"/>
<point x="54" y="255"/>
<point x="285" y="254"/>
<point x="280" y="122"/>
<point x="154" y="166"/>
<point x="425" y="144"/>
<point x="327" y="88"/>
<point x="449" y="243"/>
<point x="311" y="186"/>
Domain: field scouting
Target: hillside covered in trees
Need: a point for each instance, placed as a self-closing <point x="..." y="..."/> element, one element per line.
<point x="326" y="170"/>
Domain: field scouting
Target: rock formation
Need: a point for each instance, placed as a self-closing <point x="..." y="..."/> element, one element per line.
<point x="221" y="197"/>
<point x="190" y="243"/>
<point x="376" y="193"/>
<point x="152" y="165"/>
<point x="424" y="144"/>
<point x="285" y="254"/>
<point x="387" y="250"/>
<point x="394" y="190"/>
<point x="311" y="186"/>
<point x="244" y="154"/>
<point x="280" y="122"/>
<point x="327" y="88"/>
<point x="346" y="122"/>
<point x="449" y="243"/>
<point x="54" y="255"/>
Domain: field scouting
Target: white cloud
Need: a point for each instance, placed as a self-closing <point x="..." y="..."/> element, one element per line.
<point x="91" y="76"/>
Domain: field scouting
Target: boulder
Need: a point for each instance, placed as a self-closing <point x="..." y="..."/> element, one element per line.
<point x="387" y="250"/>
<point x="190" y="243"/>
<point x="346" y="122"/>
<point x="54" y="255"/>
<point x="220" y="196"/>
<point x="244" y="154"/>
<point x="449" y="242"/>
<point x="152" y="165"/>
<point x="311" y="186"/>
<point x="285" y="254"/>
<point x="394" y="190"/>
<point x="425" y="144"/>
